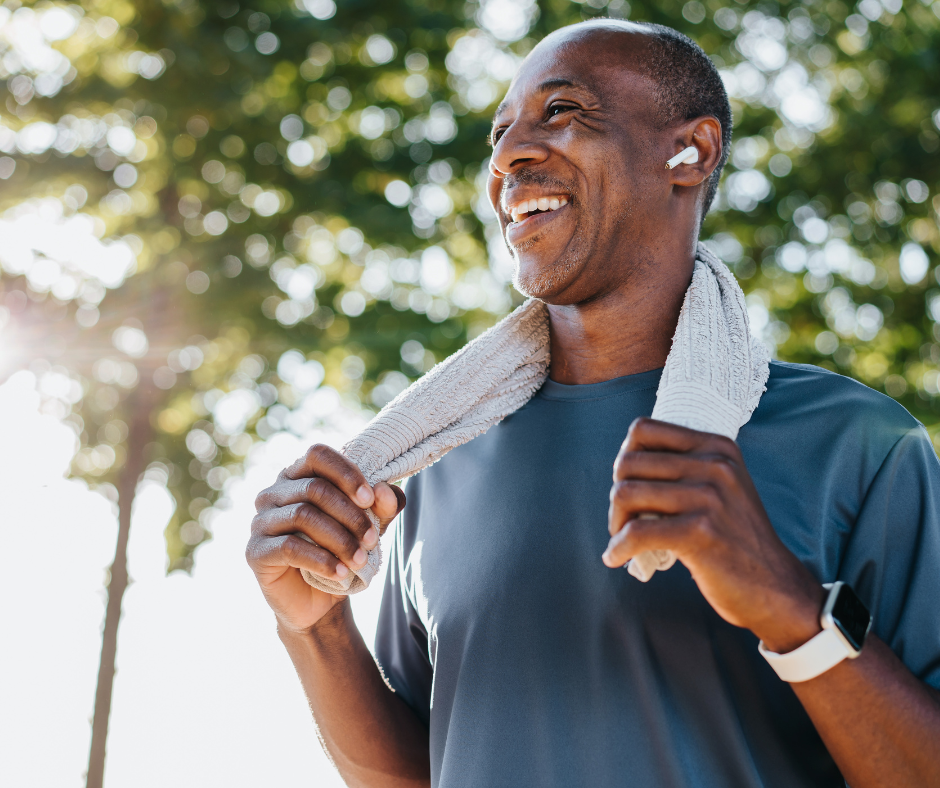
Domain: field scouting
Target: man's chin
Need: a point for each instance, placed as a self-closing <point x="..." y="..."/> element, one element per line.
<point x="546" y="281"/>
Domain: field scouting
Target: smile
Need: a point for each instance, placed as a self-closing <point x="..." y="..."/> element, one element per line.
<point x="526" y="208"/>
<point x="524" y="225"/>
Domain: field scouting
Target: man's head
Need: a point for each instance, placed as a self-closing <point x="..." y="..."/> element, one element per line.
<point x="590" y="121"/>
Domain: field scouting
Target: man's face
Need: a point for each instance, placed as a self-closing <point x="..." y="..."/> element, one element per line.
<point x="576" y="176"/>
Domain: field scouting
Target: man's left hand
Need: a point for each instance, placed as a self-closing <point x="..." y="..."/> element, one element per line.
<point x="711" y="517"/>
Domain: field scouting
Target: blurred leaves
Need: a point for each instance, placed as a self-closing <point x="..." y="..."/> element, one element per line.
<point x="271" y="213"/>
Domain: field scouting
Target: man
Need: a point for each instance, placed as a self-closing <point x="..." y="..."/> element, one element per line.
<point x="512" y="654"/>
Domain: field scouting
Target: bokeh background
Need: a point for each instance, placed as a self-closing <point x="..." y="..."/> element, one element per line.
<point x="229" y="229"/>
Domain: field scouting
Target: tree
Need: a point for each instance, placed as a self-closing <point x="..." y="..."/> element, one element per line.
<point x="155" y="128"/>
<point x="223" y="220"/>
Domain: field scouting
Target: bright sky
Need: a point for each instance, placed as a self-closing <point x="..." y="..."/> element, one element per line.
<point x="205" y="694"/>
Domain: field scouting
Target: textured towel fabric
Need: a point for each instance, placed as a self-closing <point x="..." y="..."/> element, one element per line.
<point x="713" y="379"/>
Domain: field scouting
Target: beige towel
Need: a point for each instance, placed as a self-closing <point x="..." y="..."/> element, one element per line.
<point x="713" y="379"/>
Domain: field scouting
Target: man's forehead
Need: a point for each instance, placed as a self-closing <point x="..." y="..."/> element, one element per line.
<point x="580" y="56"/>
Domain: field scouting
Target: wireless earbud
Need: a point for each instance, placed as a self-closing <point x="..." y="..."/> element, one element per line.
<point x="688" y="156"/>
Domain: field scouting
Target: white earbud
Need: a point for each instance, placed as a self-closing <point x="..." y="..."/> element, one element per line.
<point x="688" y="156"/>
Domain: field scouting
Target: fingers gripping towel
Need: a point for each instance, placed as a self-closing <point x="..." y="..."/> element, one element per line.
<point x="713" y="379"/>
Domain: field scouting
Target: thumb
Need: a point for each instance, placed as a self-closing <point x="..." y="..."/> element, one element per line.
<point x="389" y="501"/>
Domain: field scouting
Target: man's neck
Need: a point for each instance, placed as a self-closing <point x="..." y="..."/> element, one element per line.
<point x="624" y="332"/>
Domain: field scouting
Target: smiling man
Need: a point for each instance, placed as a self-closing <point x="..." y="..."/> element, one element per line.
<point x="514" y="648"/>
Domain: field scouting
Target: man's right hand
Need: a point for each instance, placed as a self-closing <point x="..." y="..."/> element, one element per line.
<point x="324" y="496"/>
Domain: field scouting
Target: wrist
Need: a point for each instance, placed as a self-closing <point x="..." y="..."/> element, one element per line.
<point x="844" y="622"/>
<point x="794" y="621"/>
<point x="324" y="629"/>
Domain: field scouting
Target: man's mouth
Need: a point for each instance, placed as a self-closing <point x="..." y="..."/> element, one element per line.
<point x="523" y="209"/>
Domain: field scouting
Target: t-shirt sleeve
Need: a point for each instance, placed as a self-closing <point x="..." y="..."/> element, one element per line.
<point x="892" y="558"/>
<point x="401" y="641"/>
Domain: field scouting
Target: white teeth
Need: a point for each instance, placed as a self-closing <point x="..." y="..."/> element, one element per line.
<point x="519" y="212"/>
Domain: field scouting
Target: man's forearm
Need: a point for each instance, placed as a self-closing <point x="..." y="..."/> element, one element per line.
<point x="879" y="723"/>
<point x="373" y="737"/>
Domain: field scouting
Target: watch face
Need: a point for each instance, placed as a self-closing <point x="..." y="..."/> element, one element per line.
<point x="851" y="617"/>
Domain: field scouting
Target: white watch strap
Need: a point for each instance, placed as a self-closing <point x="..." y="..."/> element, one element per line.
<point x="812" y="659"/>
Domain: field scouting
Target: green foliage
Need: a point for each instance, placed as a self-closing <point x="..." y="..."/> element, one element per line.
<point x="295" y="183"/>
<point x="828" y="209"/>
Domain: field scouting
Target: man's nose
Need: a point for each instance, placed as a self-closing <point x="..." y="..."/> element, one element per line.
<point x="518" y="147"/>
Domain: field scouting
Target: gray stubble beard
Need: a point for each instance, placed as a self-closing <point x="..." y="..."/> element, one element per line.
<point x="543" y="282"/>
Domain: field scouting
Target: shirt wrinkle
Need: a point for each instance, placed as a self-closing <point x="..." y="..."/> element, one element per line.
<point x="541" y="661"/>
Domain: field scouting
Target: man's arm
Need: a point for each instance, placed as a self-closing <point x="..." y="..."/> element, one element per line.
<point x="880" y="724"/>
<point x="372" y="736"/>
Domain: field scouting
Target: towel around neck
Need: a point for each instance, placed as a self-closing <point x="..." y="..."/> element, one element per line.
<point x="713" y="379"/>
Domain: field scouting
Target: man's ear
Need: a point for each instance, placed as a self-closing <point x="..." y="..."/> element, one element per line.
<point x="703" y="134"/>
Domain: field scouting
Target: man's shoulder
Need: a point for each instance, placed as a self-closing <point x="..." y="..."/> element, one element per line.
<point x="809" y="392"/>
<point x="818" y="413"/>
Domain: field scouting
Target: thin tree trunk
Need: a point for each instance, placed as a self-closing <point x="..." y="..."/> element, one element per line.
<point x="139" y="434"/>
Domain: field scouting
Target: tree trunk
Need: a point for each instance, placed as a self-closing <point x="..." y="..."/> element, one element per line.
<point x="139" y="434"/>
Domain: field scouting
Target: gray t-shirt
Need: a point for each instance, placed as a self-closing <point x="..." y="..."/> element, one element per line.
<point x="535" y="665"/>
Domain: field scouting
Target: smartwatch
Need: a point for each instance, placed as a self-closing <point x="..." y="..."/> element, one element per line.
<point x="845" y="624"/>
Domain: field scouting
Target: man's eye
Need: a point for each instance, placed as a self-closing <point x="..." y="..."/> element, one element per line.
<point x="557" y="109"/>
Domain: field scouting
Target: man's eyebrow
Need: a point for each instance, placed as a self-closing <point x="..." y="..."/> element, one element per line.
<point x="558" y="82"/>
<point x="547" y="86"/>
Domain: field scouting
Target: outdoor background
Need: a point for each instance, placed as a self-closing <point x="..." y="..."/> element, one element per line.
<point x="228" y="230"/>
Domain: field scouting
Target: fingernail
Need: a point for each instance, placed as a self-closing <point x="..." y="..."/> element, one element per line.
<point x="606" y="558"/>
<point x="364" y="495"/>
<point x="370" y="539"/>
<point x="341" y="570"/>
<point x="359" y="558"/>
